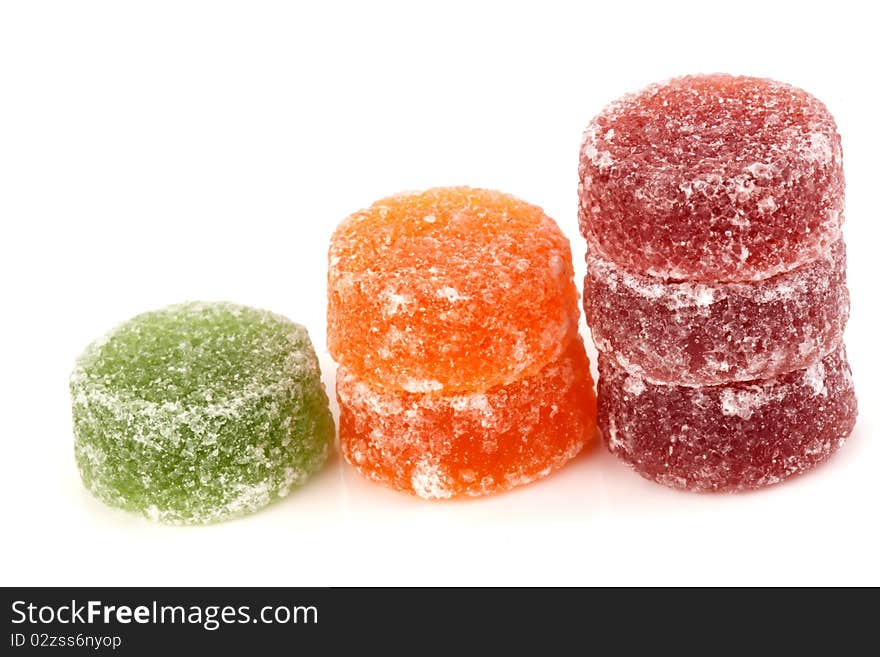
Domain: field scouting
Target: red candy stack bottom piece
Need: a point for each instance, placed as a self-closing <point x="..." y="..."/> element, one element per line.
<point x="729" y="436"/>
<point x="716" y="286"/>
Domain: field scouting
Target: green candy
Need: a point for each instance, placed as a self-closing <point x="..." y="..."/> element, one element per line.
<point x="199" y="412"/>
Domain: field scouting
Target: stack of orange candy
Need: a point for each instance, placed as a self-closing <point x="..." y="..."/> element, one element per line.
<point x="453" y="316"/>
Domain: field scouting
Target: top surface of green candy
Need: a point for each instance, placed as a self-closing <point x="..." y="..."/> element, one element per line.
<point x="197" y="353"/>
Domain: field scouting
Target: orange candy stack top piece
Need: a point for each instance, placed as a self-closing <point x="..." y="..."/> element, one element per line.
<point x="447" y="290"/>
<point x="453" y="315"/>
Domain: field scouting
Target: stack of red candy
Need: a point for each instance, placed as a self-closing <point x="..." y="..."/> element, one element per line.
<point x="716" y="286"/>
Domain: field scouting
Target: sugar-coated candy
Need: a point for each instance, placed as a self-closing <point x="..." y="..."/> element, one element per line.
<point x="712" y="178"/>
<point x="693" y="333"/>
<point x="451" y="289"/>
<point x="727" y="437"/>
<point x="199" y="412"/>
<point x="439" y="446"/>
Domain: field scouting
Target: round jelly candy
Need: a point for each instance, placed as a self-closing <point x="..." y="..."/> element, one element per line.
<point x="199" y="412"/>
<point x="448" y="290"/>
<point x="712" y="178"/>
<point x="727" y="437"/>
<point x="440" y="446"/>
<point x="693" y="333"/>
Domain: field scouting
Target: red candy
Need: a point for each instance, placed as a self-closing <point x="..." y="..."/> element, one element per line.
<point x="727" y="437"/>
<point x="708" y="333"/>
<point x="712" y="178"/>
<point x="716" y="281"/>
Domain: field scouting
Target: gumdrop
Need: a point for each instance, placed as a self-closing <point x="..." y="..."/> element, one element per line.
<point x="727" y="437"/>
<point x="693" y="333"/>
<point x="199" y="412"/>
<point x="712" y="178"/>
<point x="440" y="446"/>
<point x="447" y="290"/>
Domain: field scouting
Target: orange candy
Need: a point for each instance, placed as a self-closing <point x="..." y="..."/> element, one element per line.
<point x="453" y="316"/>
<point x="451" y="289"/>
<point x="438" y="446"/>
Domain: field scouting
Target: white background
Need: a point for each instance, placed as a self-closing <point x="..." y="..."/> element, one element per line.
<point x="154" y="152"/>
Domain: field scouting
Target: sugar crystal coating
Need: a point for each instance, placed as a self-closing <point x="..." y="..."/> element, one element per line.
<point x="199" y="412"/>
<point x="728" y="437"/>
<point x="712" y="177"/>
<point x="440" y="446"/>
<point x="451" y="289"/>
<point x="692" y="333"/>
